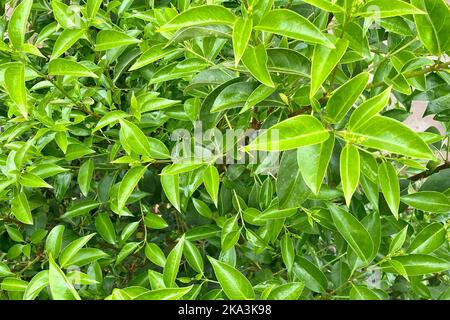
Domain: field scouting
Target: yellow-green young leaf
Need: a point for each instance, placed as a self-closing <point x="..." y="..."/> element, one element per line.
<point x="211" y="181"/>
<point x="200" y="16"/>
<point x="14" y="284"/>
<point x="105" y="227"/>
<point x="178" y="168"/>
<point x="171" y="187"/>
<point x="418" y="264"/>
<point x="18" y="23"/>
<point x="36" y="285"/>
<point x="302" y="130"/>
<point x="110" y="39"/>
<point x="287" y="251"/>
<point x="128" y="183"/>
<point x="356" y="235"/>
<point x="428" y="239"/>
<point x="235" y="285"/>
<point x="287" y="291"/>
<point x="67" y="16"/>
<point x="387" y="8"/>
<point x="389" y="185"/>
<point x="430" y="201"/>
<point x="433" y="26"/>
<point x="326" y="5"/>
<point x="72" y="249"/>
<point x="349" y="170"/>
<point x="193" y="256"/>
<point x="133" y="139"/>
<point x="66" y="39"/>
<point x="345" y="96"/>
<point x="54" y="239"/>
<point x="152" y="54"/>
<point x="92" y="7"/>
<point x="64" y="67"/>
<point x="324" y="60"/>
<point x="313" y="162"/>
<point x="21" y="209"/>
<point x="85" y="176"/>
<point x="33" y="181"/>
<point x="290" y="24"/>
<point x="60" y="286"/>
<point x="179" y="70"/>
<point x="242" y="30"/>
<point x="15" y="85"/>
<point x="391" y="135"/>
<point x="110" y="118"/>
<point x="310" y="274"/>
<point x="155" y="254"/>
<point x="255" y="60"/>
<point x="362" y="293"/>
<point x="368" y="109"/>
<point x="173" y="263"/>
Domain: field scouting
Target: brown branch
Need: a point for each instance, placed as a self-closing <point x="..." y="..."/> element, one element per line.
<point x="428" y="173"/>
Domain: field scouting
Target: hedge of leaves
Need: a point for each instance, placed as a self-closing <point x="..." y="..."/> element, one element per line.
<point x="345" y="202"/>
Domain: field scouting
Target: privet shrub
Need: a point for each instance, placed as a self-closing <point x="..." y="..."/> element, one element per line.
<point x="224" y="149"/>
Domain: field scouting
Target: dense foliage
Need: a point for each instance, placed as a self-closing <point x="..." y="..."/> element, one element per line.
<point x="135" y="161"/>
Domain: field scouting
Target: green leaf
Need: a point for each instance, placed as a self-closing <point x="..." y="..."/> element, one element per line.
<point x="173" y="263"/>
<point x="368" y="109"/>
<point x="292" y="25"/>
<point x="392" y="136"/>
<point x="255" y="60"/>
<point x="171" y="187"/>
<point x="165" y="294"/>
<point x="287" y="251"/>
<point x="356" y="235"/>
<point x="60" y="286"/>
<point x="128" y="183"/>
<point x="235" y="285"/>
<point x="430" y="201"/>
<point x="66" y="39"/>
<point x="432" y="27"/>
<point x="345" y="96"/>
<point x="85" y="176"/>
<point x="155" y="254"/>
<point x="324" y="60"/>
<point x="310" y="274"/>
<point x="79" y="208"/>
<point x="15" y="86"/>
<point x="362" y="293"/>
<point x="313" y="162"/>
<point x="230" y="233"/>
<point x="428" y="239"/>
<point x="33" y="181"/>
<point x="72" y="249"/>
<point x="349" y="170"/>
<point x="110" y="39"/>
<point x="387" y="8"/>
<point x="133" y="137"/>
<point x="389" y="185"/>
<point x="92" y="7"/>
<point x="105" y="227"/>
<point x="151" y="55"/>
<point x="325" y="5"/>
<point x="21" y="209"/>
<point x="17" y="25"/>
<point x="36" y="285"/>
<point x="64" y="67"/>
<point x="200" y="16"/>
<point x="302" y="130"/>
<point x="242" y="30"/>
<point x="193" y="256"/>
<point x="211" y="180"/>
<point x="54" y="240"/>
<point x="398" y="240"/>
<point x="287" y="291"/>
<point x="154" y="221"/>
<point x="257" y="96"/>
<point x="418" y="264"/>
<point x="125" y="251"/>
